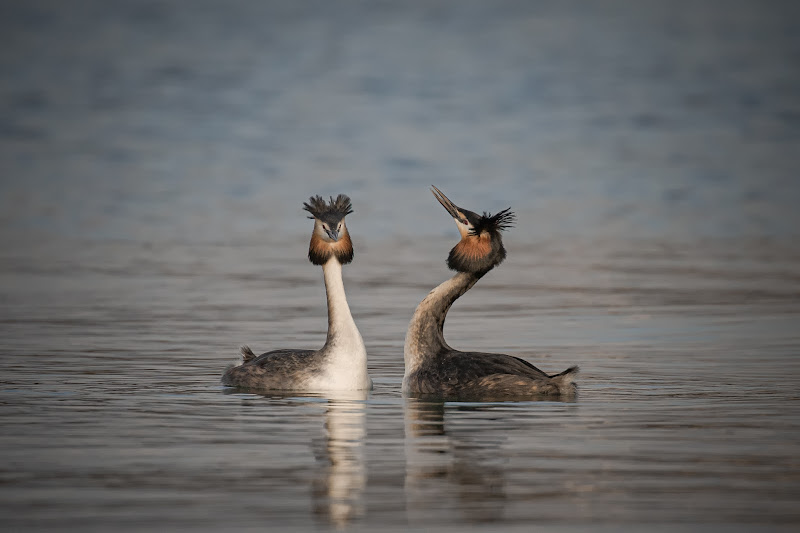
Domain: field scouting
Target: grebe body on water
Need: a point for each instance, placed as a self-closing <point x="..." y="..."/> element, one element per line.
<point x="432" y="367"/>
<point x="341" y="364"/>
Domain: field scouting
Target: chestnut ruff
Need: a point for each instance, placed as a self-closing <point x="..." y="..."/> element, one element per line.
<point x="320" y="251"/>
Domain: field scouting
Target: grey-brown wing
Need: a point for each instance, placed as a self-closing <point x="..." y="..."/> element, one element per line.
<point x="285" y="369"/>
<point x="474" y="365"/>
<point x="451" y="371"/>
<point x="287" y="359"/>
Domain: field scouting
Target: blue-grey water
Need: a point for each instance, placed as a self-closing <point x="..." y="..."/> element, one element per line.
<point x="154" y="156"/>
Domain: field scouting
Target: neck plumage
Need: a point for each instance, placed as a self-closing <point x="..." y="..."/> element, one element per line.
<point x="340" y="322"/>
<point x="425" y="335"/>
<point x="344" y="350"/>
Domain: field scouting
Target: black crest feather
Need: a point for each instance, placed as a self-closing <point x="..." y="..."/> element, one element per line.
<point x="494" y="223"/>
<point x="337" y="208"/>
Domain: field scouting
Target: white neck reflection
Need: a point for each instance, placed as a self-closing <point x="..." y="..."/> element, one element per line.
<point x="339" y="490"/>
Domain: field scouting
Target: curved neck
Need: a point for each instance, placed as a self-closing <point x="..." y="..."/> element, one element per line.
<point x="425" y="335"/>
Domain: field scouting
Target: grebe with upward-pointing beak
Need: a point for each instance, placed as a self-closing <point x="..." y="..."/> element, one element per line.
<point x="432" y="367"/>
<point x="341" y="364"/>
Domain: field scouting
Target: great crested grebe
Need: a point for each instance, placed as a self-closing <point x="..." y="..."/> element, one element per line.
<point x="341" y="364"/>
<point x="432" y="367"/>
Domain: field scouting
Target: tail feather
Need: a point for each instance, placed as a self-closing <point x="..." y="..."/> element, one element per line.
<point x="247" y="353"/>
<point x="565" y="379"/>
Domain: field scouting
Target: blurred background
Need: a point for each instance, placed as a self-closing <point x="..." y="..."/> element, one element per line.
<point x="154" y="158"/>
<point x="207" y="121"/>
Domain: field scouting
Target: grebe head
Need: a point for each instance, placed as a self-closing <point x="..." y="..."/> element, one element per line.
<point x="481" y="246"/>
<point x="330" y="237"/>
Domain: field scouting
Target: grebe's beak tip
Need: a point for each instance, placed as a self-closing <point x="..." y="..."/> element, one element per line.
<point x="447" y="204"/>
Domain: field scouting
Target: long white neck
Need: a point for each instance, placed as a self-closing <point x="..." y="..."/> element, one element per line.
<point x="344" y="348"/>
<point x="425" y="335"/>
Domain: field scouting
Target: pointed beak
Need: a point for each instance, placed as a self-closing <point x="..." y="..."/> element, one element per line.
<point x="447" y="204"/>
<point x="333" y="234"/>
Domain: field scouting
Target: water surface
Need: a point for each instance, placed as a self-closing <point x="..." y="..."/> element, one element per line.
<point x="155" y="156"/>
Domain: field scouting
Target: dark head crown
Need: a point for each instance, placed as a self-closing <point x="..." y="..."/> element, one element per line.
<point x="337" y="208"/>
<point x="493" y="224"/>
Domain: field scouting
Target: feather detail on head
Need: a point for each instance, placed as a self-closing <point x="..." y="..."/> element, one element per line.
<point x="320" y="251"/>
<point x="494" y="223"/>
<point x="337" y="208"/>
<point x="330" y="237"/>
<point x="477" y="255"/>
<point x="481" y="246"/>
<point x="473" y="249"/>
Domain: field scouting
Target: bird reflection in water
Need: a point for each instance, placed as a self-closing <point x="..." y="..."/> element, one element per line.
<point x="339" y="489"/>
<point x="450" y="472"/>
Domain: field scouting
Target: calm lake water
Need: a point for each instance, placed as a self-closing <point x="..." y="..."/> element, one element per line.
<point x="154" y="158"/>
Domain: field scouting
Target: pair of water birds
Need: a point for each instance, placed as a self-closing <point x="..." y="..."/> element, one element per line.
<point x="432" y="367"/>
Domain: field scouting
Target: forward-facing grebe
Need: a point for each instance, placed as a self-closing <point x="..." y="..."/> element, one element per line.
<point x="432" y="366"/>
<point x="342" y="363"/>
